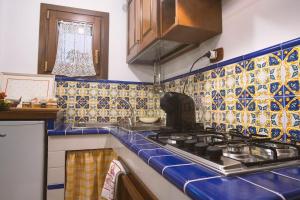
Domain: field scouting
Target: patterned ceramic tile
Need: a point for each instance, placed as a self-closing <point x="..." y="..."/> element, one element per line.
<point x="102" y="102"/>
<point x="263" y="116"/>
<point x="290" y="71"/>
<point x="262" y="75"/>
<point x="258" y="96"/>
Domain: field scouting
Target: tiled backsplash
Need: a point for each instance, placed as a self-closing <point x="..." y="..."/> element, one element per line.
<point x="85" y="101"/>
<point x="256" y="95"/>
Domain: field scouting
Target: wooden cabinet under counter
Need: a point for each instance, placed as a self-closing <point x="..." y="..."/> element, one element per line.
<point x="29" y="114"/>
<point x="130" y="187"/>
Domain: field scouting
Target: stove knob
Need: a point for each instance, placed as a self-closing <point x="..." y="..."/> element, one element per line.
<point x="200" y="148"/>
<point x="189" y="144"/>
<point x="214" y="153"/>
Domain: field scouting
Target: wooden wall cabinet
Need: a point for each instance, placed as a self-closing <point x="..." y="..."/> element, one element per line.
<point x="148" y="22"/>
<point x="142" y="25"/>
<point x="133" y="32"/>
<point x="159" y="30"/>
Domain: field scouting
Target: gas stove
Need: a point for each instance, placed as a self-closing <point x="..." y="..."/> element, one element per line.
<point x="229" y="153"/>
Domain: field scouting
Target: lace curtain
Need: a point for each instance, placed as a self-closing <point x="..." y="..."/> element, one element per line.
<point x="74" y="50"/>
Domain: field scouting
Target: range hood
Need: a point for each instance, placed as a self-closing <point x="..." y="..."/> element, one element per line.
<point x="162" y="51"/>
<point x="182" y="26"/>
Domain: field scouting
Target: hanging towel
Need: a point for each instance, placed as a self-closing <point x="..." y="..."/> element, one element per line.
<point x="110" y="184"/>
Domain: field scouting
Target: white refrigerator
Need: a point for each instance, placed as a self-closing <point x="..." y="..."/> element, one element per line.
<point x="22" y="160"/>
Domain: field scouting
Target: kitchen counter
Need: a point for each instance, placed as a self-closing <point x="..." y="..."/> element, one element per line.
<point x="195" y="180"/>
<point x="66" y="129"/>
<point x="29" y="114"/>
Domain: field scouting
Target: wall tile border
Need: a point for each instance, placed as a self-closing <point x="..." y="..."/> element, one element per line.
<point x="93" y="79"/>
<point x="56" y="186"/>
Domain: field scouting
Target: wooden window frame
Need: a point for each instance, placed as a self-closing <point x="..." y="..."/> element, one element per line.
<point x="43" y="35"/>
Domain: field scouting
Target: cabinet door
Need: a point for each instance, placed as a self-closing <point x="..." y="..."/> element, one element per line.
<point x="127" y="190"/>
<point x="149" y="22"/>
<point x="133" y="28"/>
<point x="130" y="187"/>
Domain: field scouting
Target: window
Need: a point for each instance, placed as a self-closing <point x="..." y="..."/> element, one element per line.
<point x="52" y="18"/>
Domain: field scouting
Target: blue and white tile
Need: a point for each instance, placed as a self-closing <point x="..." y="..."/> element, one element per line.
<point x="181" y="176"/>
<point x="291" y="172"/>
<point x="147" y="155"/>
<point x="138" y="148"/>
<point x="228" y="188"/>
<point x="287" y="187"/>
<point x="162" y="163"/>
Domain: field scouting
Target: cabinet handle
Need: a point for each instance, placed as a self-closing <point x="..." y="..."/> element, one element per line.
<point x="46" y="66"/>
<point x="96" y="56"/>
<point x="2" y="135"/>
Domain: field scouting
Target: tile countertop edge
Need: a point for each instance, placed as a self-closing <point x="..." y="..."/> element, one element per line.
<point x="195" y="174"/>
<point x="194" y="179"/>
<point x="65" y="129"/>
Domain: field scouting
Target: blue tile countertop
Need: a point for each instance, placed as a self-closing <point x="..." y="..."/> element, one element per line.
<point x="197" y="181"/>
<point x="66" y="129"/>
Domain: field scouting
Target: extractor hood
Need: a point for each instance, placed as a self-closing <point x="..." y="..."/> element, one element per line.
<point x="183" y="25"/>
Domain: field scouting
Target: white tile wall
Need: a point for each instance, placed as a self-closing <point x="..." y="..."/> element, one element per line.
<point x="56" y="194"/>
<point x="56" y="159"/>
<point x="57" y="147"/>
<point x="78" y="142"/>
<point x="56" y="175"/>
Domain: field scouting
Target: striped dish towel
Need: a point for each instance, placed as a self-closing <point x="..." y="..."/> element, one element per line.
<point x="111" y="179"/>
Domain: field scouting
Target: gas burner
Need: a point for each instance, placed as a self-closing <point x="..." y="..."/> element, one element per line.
<point x="275" y="150"/>
<point x="229" y="153"/>
<point x="178" y="139"/>
<point x="210" y="138"/>
<point x="235" y="148"/>
<point x="200" y="148"/>
<point x="190" y="144"/>
<point x="180" y="136"/>
<point x="214" y="153"/>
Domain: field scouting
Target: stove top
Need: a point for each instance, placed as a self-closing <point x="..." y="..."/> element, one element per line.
<point x="229" y="153"/>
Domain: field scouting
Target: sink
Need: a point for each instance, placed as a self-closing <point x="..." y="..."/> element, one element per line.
<point x="137" y="127"/>
<point x="143" y="127"/>
<point x="92" y="125"/>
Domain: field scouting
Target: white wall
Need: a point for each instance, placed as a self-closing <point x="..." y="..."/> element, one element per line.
<point x="1" y="30"/>
<point x="19" y="33"/>
<point x="248" y="25"/>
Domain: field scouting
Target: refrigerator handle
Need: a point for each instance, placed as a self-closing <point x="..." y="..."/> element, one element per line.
<point x="2" y="135"/>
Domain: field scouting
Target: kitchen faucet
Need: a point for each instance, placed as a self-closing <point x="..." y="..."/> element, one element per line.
<point x="131" y="119"/>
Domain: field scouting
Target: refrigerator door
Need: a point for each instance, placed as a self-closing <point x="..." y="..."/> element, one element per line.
<point x="21" y="160"/>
